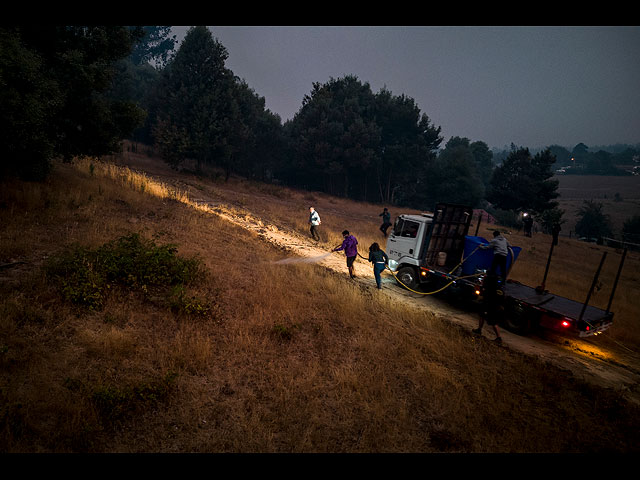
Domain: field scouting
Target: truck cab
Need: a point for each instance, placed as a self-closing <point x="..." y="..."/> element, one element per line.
<point x="422" y="245"/>
<point x="403" y="246"/>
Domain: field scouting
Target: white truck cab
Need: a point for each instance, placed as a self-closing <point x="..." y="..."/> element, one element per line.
<point x="420" y="242"/>
<point x="406" y="238"/>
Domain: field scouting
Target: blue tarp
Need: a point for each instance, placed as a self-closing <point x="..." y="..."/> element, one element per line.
<point x="481" y="259"/>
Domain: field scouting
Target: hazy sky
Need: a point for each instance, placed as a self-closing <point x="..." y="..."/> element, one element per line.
<point x="533" y="86"/>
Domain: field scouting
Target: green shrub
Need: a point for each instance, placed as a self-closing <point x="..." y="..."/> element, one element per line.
<point x="84" y="276"/>
<point x="135" y="262"/>
<point x="75" y="274"/>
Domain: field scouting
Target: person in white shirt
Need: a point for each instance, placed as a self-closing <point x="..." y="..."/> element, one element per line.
<point x="314" y="221"/>
<point x="500" y="247"/>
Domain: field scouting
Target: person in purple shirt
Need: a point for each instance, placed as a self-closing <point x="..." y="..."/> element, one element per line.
<point x="349" y="245"/>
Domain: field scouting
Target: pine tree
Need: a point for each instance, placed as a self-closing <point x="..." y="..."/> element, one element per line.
<point x="202" y="111"/>
<point x="593" y="222"/>
<point x="193" y="101"/>
<point x="524" y="183"/>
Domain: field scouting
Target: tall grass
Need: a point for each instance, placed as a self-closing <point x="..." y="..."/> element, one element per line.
<point x="293" y="358"/>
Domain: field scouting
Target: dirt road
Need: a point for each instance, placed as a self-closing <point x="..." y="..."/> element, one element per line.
<point x="598" y="360"/>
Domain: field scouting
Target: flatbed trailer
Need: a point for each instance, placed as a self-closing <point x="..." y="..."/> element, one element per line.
<point x="526" y="308"/>
<point x="522" y="308"/>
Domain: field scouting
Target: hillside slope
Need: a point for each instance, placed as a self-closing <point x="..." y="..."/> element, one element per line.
<point x="596" y="360"/>
<point x="290" y="357"/>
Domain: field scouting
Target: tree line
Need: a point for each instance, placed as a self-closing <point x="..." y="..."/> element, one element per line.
<point x="581" y="161"/>
<point x="345" y="140"/>
<point x="68" y="91"/>
<point x="52" y="80"/>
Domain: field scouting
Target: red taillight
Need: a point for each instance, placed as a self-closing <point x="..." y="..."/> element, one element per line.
<point x="565" y="323"/>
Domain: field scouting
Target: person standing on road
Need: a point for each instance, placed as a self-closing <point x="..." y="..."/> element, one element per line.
<point x="379" y="260"/>
<point x="314" y="221"/>
<point x="349" y="245"/>
<point x="490" y="307"/>
<point x="500" y="247"/>
<point x="386" y="221"/>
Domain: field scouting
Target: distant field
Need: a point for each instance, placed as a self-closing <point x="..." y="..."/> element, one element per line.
<point x="574" y="189"/>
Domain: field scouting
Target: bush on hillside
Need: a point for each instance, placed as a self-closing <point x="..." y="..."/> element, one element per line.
<point x="84" y="276"/>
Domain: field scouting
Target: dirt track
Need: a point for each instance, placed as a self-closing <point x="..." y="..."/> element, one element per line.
<point x="598" y="360"/>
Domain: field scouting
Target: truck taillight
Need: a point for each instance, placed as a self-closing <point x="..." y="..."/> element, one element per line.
<point x="565" y="322"/>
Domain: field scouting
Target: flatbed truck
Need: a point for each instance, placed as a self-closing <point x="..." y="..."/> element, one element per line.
<point x="432" y="253"/>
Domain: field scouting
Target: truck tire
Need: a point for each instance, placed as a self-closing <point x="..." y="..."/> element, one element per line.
<point x="520" y="320"/>
<point x="408" y="277"/>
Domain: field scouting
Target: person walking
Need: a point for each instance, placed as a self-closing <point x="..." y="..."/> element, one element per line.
<point x="379" y="260"/>
<point x="314" y="221"/>
<point x="500" y="247"/>
<point x="386" y="221"/>
<point x="349" y="245"/>
<point x="491" y="307"/>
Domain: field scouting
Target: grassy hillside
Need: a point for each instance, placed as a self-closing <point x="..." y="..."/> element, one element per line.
<point x="245" y="355"/>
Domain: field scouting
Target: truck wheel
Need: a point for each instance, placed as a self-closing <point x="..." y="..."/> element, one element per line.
<point x="520" y="320"/>
<point x="407" y="277"/>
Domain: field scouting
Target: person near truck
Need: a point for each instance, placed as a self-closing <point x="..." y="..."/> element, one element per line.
<point x="386" y="221"/>
<point x="350" y="247"/>
<point x="379" y="260"/>
<point x="490" y="307"/>
<point x="500" y="247"/>
<point x="314" y="221"/>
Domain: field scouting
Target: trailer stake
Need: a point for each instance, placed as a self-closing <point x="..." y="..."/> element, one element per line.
<point x="593" y="284"/>
<point x="615" y="283"/>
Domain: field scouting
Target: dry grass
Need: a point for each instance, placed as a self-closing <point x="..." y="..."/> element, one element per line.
<point x="290" y="359"/>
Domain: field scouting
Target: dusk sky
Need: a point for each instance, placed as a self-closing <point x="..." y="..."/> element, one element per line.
<point x="531" y="86"/>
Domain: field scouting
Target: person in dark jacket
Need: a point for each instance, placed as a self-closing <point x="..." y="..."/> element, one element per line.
<point x="491" y="307"/>
<point x="386" y="221"/>
<point x="379" y="260"/>
<point x="349" y="245"/>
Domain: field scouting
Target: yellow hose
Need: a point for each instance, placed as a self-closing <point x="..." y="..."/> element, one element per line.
<point x="435" y="291"/>
<point x="440" y="289"/>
